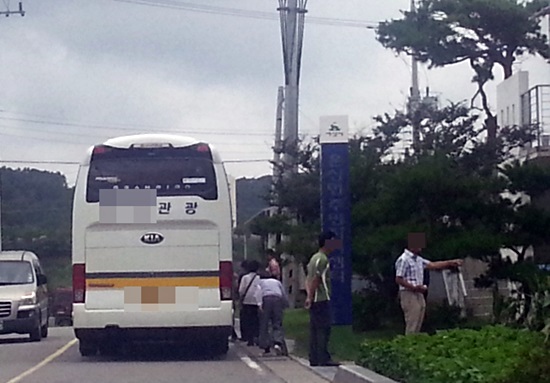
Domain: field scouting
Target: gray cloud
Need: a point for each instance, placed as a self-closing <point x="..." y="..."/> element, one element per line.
<point x="77" y="72"/>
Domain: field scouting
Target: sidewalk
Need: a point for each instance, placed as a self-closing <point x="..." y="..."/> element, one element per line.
<point x="293" y="368"/>
<point x="326" y="373"/>
<point x="290" y="369"/>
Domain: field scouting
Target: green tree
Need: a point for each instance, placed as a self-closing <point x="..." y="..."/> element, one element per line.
<point x="447" y="188"/>
<point x="296" y="194"/>
<point x="36" y="212"/>
<point x="483" y="33"/>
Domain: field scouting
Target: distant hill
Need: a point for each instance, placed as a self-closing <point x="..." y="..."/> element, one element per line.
<point x="252" y="196"/>
<point x="36" y="211"/>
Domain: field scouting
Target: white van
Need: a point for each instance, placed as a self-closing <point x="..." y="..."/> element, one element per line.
<point x="23" y="295"/>
<point x="152" y="253"/>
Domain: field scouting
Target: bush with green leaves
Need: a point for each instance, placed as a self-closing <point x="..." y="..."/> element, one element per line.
<point x="371" y="310"/>
<point x="490" y="355"/>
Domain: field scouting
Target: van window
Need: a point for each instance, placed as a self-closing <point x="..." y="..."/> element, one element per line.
<point x="169" y="171"/>
<point x="15" y="273"/>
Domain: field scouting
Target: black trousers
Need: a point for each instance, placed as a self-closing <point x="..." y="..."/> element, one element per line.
<point x="320" y="321"/>
<point x="250" y="323"/>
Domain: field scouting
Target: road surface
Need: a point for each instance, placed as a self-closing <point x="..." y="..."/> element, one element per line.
<point x="56" y="359"/>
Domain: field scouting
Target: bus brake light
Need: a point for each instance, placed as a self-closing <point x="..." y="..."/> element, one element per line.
<point x="226" y="280"/>
<point x="100" y="149"/>
<point x="202" y="148"/>
<point x="79" y="282"/>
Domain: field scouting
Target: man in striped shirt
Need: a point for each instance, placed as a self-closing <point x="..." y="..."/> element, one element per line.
<point x="409" y="275"/>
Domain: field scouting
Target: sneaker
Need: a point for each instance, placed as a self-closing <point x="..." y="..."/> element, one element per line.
<point x="278" y="350"/>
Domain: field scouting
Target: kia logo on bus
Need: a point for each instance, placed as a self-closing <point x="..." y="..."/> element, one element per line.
<point x="152" y="238"/>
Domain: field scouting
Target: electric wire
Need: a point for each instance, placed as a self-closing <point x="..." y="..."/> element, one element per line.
<point x="252" y="14"/>
<point x="112" y="127"/>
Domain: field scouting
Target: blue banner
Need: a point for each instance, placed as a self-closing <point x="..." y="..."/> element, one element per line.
<point x="336" y="217"/>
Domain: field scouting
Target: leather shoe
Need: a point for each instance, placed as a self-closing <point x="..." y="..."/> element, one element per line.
<point x="330" y="363"/>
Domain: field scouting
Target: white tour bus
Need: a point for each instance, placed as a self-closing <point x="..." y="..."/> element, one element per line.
<point x="152" y="250"/>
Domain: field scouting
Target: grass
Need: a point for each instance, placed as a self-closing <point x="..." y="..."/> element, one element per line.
<point x="344" y="342"/>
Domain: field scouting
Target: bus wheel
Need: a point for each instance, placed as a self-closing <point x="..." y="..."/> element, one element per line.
<point x="220" y="347"/>
<point x="87" y="348"/>
<point x="108" y="348"/>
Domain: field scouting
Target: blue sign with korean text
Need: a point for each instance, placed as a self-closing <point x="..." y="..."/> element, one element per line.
<point x="336" y="217"/>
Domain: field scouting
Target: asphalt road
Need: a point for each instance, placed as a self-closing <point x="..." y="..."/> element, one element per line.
<point x="56" y="360"/>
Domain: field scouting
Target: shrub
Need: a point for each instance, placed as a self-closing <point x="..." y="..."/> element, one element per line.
<point x="489" y="355"/>
<point x="535" y="367"/>
<point x="442" y="316"/>
<point x="368" y="310"/>
<point x="371" y="310"/>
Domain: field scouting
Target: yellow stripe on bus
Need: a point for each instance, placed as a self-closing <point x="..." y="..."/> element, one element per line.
<point x="119" y="283"/>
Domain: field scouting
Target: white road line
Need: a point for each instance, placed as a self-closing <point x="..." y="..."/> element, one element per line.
<point x="250" y="363"/>
<point x="44" y="362"/>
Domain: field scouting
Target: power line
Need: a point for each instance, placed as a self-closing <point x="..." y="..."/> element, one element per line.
<point x="7" y="12"/>
<point x="111" y="127"/>
<point x="41" y="162"/>
<point x="251" y="14"/>
<point x="54" y="162"/>
<point x="251" y="160"/>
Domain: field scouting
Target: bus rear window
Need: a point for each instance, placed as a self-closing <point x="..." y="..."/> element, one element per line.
<point x="170" y="171"/>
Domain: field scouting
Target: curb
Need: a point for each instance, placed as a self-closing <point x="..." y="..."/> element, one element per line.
<point x="358" y="374"/>
<point x="328" y="375"/>
<point x="348" y="372"/>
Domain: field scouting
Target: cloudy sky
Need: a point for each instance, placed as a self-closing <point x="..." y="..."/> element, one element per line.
<point x="76" y="72"/>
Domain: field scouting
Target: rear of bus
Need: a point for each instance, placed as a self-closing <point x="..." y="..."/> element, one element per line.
<point x="152" y="244"/>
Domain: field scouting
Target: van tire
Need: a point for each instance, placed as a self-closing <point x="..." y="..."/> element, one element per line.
<point x="87" y="348"/>
<point x="36" y="334"/>
<point x="44" y="331"/>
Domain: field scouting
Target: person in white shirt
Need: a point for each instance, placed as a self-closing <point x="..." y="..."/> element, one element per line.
<point x="273" y="302"/>
<point x="250" y="301"/>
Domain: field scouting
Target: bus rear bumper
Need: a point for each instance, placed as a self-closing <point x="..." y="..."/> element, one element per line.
<point x="121" y="320"/>
<point x="160" y="334"/>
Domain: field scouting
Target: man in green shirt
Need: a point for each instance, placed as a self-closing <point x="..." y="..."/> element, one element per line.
<point x="318" y="301"/>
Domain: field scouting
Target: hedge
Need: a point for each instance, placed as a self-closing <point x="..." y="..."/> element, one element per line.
<point x="493" y="354"/>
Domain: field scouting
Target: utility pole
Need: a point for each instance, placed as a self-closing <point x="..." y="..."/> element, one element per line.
<point x="414" y="98"/>
<point x="277" y="147"/>
<point x="292" y="18"/>
<point x="19" y="11"/>
<point x="544" y="12"/>
<point x="7" y="13"/>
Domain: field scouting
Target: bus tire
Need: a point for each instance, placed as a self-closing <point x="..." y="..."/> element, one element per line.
<point x="87" y="348"/>
<point x="220" y="347"/>
<point x="108" y="348"/>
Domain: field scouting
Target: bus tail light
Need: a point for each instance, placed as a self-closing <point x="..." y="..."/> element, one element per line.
<point x="79" y="282"/>
<point x="202" y="148"/>
<point x="226" y="280"/>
